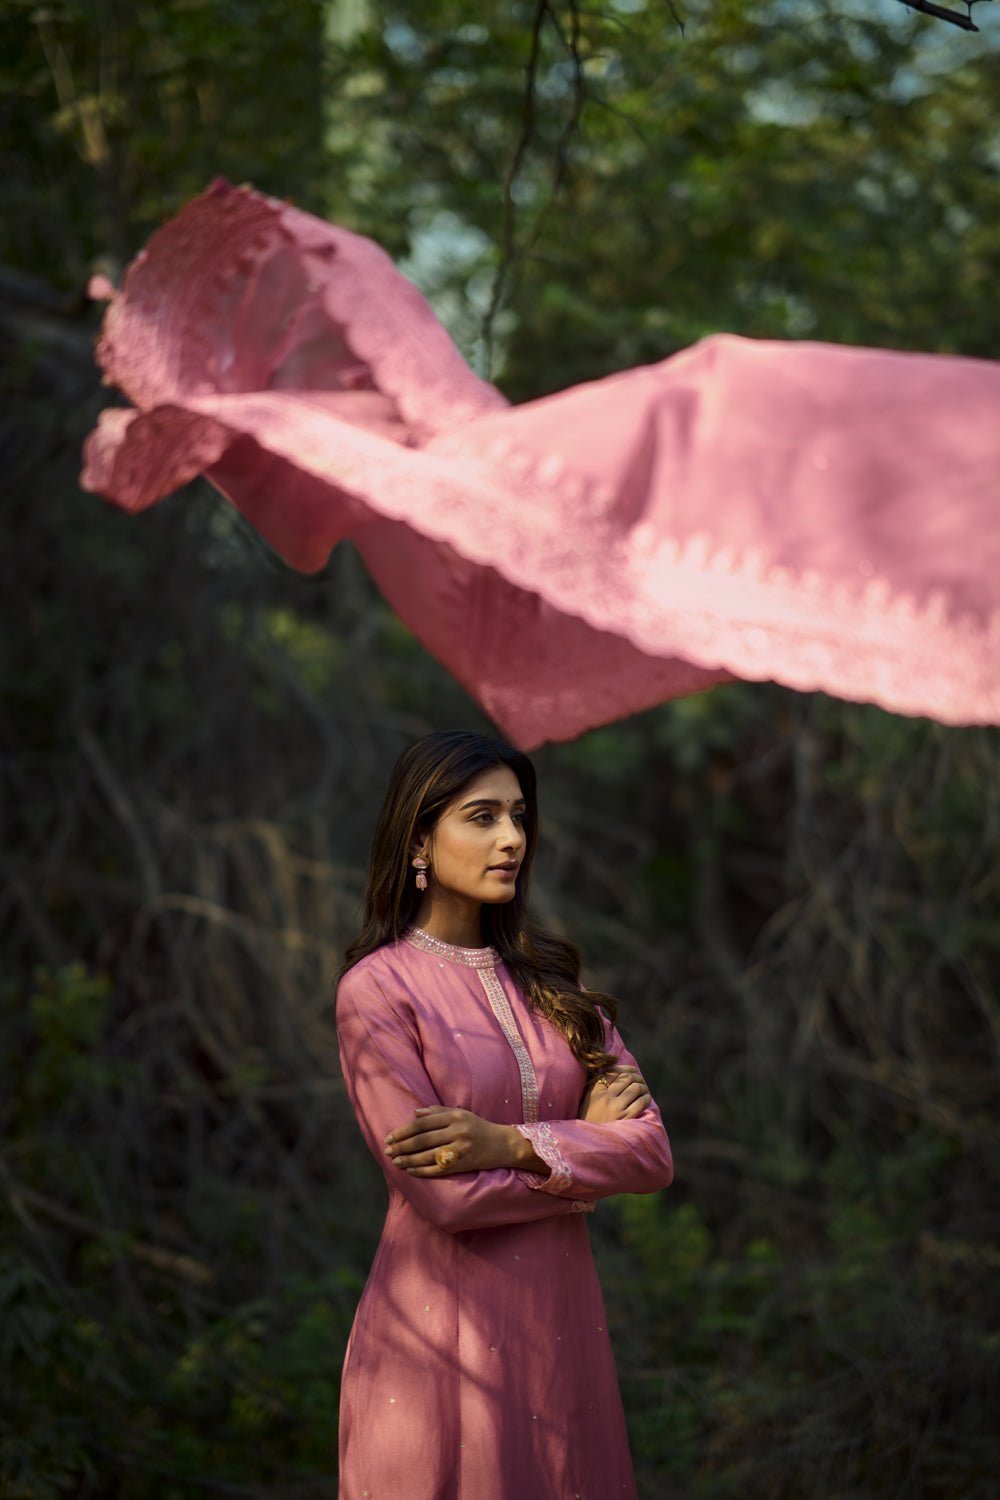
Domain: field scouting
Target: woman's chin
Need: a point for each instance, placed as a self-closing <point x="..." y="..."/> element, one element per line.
<point x="502" y="896"/>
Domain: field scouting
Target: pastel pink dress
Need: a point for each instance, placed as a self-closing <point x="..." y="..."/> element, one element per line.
<point x="824" y="516"/>
<point x="479" y="1366"/>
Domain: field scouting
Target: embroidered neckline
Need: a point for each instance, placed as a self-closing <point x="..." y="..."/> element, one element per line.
<point x="472" y="958"/>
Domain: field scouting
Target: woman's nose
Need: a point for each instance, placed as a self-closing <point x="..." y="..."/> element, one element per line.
<point x="511" y="834"/>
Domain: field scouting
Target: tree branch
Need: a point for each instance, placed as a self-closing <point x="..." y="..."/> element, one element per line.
<point x="23" y="1198"/>
<point x="508" y="249"/>
<point x="944" y="14"/>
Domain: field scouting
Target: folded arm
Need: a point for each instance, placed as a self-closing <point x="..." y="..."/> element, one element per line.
<point x="387" y="1082"/>
<point x="589" y="1158"/>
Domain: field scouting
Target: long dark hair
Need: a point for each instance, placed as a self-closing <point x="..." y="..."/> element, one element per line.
<point x="426" y="778"/>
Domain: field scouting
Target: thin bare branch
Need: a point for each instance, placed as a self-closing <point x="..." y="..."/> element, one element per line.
<point x="185" y="1266"/>
<point x="121" y="804"/>
<point x="943" y="13"/>
<point x="507" y="247"/>
<point x="511" y="252"/>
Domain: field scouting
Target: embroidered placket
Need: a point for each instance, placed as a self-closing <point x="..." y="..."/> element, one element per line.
<point x="500" y="1006"/>
<point x="485" y="961"/>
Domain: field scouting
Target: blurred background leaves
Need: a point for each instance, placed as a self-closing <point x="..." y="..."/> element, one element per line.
<point x="797" y="899"/>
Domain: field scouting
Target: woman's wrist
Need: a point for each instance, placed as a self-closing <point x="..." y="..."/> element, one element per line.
<point x="523" y="1154"/>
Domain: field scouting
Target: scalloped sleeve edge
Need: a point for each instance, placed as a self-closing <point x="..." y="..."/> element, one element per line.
<point x="545" y="1144"/>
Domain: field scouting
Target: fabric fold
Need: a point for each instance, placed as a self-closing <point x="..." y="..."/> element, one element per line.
<point x="822" y="516"/>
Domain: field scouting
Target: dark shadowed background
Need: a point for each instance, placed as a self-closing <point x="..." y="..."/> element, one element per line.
<point x="798" y="900"/>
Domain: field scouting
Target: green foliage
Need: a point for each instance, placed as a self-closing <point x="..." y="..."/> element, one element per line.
<point x="44" y="1355"/>
<point x="252" y="1394"/>
<point x="269" y="1373"/>
<point x="66" y="1014"/>
<point x="821" y="170"/>
<point x="840" y="1355"/>
<point x="116" y="114"/>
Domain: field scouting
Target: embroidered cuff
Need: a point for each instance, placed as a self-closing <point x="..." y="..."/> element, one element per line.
<point x="546" y="1146"/>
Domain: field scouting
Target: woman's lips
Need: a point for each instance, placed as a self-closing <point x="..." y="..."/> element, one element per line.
<point x="506" y="872"/>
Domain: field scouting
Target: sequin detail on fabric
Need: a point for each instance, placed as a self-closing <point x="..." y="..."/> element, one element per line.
<point x="485" y="960"/>
<point x="500" y="1006"/>
<point x="472" y="958"/>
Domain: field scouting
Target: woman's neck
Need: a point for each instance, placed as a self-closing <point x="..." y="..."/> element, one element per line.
<point x="459" y="923"/>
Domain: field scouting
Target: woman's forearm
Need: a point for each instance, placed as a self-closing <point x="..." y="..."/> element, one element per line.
<point x="473" y="1144"/>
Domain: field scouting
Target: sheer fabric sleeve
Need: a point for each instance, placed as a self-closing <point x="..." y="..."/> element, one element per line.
<point x="380" y="1053"/>
<point x="589" y="1160"/>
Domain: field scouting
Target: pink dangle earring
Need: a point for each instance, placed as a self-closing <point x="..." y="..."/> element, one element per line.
<point x="420" y="865"/>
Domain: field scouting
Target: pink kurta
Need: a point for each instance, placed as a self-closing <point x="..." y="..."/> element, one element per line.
<point x="479" y="1366"/>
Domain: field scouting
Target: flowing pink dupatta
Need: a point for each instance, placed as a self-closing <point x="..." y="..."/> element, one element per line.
<point x="823" y="516"/>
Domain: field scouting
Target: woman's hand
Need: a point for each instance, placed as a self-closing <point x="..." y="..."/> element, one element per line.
<point x="615" y="1094"/>
<point x="467" y="1142"/>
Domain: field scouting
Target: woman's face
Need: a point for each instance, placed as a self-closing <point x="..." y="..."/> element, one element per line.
<point x="476" y="848"/>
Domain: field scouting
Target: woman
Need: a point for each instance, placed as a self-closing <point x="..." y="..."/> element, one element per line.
<point x="501" y="1103"/>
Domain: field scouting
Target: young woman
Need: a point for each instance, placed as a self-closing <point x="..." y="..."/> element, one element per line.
<point x="501" y="1102"/>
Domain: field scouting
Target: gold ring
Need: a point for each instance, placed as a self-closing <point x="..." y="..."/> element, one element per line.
<point x="446" y="1156"/>
<point x="602" y="1080"/>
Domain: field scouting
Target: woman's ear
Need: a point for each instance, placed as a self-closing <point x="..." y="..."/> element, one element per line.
<point x="419" y="845"/>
